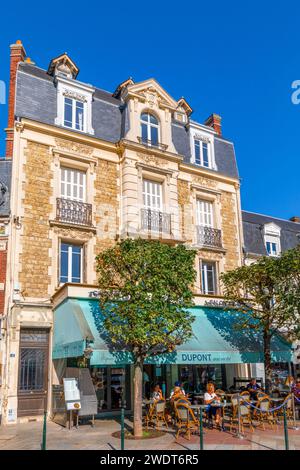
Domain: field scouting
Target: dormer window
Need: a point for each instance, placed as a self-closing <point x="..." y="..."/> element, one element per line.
<point x="202" y="153"/>
<point x="74" y="115"/>
<point x="149" y="129"/>
<point x="272" y="239"/>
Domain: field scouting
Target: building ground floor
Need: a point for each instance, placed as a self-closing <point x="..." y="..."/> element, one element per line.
<point x="44" y="341"/>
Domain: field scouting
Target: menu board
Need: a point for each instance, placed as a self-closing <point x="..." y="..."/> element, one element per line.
<point x="72" y="393"/>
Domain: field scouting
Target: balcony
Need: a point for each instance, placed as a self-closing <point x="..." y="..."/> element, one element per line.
<point x="156" y="221"/>
<point x="209" y="236"/>
<point x="73" y="212"/>
<point x="149" y="143"/>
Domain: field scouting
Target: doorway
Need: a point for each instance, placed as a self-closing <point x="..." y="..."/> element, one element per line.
<point x="33" y="372"/>
<point x="112" y="386"/>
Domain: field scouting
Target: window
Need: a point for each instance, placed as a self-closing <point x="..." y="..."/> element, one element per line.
<point x="73" y="184"/>
<point x="208" y="277"/>
<point x="204" y="213"/>
<point x="149" y="129"/>
<point x="272" y="248"/>
<point x="272" y="239"/>
<point x="152" y="194"/>
<point x="201" y="149"/>
<point x="74" y="114"/>
<point x="70" y="263"/>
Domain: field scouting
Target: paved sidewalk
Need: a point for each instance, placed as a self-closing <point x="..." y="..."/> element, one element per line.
<point x="28" y="437"/>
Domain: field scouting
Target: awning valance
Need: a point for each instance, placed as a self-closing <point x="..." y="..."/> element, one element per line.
<point x="216" y="340"/>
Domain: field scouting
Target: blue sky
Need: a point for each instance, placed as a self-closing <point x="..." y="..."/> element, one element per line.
<point x="235" y="60"/>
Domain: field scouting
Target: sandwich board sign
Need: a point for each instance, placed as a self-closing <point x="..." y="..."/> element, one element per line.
<point x="72" y="394"/>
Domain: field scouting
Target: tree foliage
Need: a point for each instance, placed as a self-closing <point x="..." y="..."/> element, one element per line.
<point x="268" y="292"/>
<point x="145" y="292"/>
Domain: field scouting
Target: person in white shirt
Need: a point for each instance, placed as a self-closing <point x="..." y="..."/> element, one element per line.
<point x="213" y="407"/>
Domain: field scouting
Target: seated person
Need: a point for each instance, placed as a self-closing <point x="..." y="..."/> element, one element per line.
<point x="157" y="393"/>
<point x="277" y="384"/>
<point x="178" y="388"/>
<point x="253" y="388"/>
<point x="213" y="407"/>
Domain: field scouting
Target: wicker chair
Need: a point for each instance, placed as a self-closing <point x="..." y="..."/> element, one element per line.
<point x="159" y="413"/>
<point x="245" y="413"/>
<point x="185" y="420"/>
<point x="264" y="414"/>
<point x="288" y="408"/>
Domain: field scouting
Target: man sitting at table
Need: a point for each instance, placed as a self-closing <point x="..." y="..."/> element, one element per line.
<point x="213" y="407"/>
<point x="253" y="388"/>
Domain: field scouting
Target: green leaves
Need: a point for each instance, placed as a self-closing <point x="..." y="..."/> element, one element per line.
<point x="270" y="289"/>
<point x="145" y="293"/>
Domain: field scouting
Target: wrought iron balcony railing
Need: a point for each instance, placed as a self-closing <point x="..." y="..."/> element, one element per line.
<point x="156" y="221"/>
<point x="149" y="143"/>
<point x="73" y="212"/>
<point x="209" y="236"/>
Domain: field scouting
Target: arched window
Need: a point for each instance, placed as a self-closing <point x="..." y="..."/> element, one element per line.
<point x="149" y="129"/>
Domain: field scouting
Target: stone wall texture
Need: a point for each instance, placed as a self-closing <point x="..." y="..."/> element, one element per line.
<point x="35" y="241"/>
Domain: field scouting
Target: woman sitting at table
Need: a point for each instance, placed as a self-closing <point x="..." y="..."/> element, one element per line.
<point x="157" y="393"/>
<point x="213" y="407"/>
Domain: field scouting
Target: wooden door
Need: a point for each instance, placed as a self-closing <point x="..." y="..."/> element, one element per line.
<point x="33" y="372"/>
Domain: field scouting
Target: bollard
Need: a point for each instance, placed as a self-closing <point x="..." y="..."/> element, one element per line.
<point x="239" y="431"/>
<point x="286" y="435"/>
<point x="43" y="446"/>
<point x="294" y="427"/>
<point x="201" y="429"/>
<point x="122" y="429"/>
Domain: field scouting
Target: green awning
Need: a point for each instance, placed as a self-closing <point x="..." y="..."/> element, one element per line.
<point x="216" y="340"/>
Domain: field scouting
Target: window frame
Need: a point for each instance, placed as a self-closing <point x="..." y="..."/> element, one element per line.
<point x="74" y="109"/>
<point x="204" y="282"/>
<point x="73" y="184"/>
<point x="157" y="195"/>
<point x="150" y="125"/>
<point x="205" y="214"/>
<point x="70" y="262"/>
<point x="200" y="144"/>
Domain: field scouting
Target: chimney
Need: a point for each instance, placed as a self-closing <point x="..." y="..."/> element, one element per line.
<point x="295" y="218"/>
<point x="17" y="54"/>
<point x="214" y="121"/>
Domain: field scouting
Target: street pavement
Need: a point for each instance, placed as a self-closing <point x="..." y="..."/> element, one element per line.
<point x="28" y="436"/>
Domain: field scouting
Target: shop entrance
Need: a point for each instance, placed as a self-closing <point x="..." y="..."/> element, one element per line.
<point x="112" y="386"/>
<point x="33" y="372"/>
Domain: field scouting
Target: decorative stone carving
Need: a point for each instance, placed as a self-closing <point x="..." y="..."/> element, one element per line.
<point x="206" y="182"/>
<point x="72" y="233"/>
<point x="152" y="160"/>
<point x="73" y="147"/>
<point x="74" y="95"/>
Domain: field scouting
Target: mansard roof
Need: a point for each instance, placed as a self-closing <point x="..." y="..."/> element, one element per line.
<point x="253" y="227"/>
<point x="36" y="99"/>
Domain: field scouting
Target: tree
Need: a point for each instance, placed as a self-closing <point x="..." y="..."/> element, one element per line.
<point x="268" y="294"/>
<point x="145" y="291"/>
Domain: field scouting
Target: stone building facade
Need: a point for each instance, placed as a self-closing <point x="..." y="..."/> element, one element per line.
<point x="90" y="168"/>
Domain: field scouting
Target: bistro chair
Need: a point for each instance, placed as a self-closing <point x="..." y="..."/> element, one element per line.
<point x="245" y="395"/>
<point x="159" y="413"/>
<point x="264" y="414"/>
<point x="185" y="420"/>
<point x="149" y="417"/>
<point x="245" y="416"/>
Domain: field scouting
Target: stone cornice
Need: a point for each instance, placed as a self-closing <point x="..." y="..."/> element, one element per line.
<point x="73" y="136"/>
<point x="188" y="168"/>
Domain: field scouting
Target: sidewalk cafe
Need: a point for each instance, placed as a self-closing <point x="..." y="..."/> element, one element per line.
<point x="218" y="352"/>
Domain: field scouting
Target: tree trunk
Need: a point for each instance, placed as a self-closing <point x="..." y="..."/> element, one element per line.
<point x="138" y="397"/>
<point x="267" y="354"/>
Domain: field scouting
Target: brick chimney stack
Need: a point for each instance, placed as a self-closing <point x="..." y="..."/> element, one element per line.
<point x="17" y="54"/>
<point x="214" y="121"/>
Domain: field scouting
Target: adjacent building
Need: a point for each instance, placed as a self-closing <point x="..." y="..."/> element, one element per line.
<point x="89" y="168"/>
